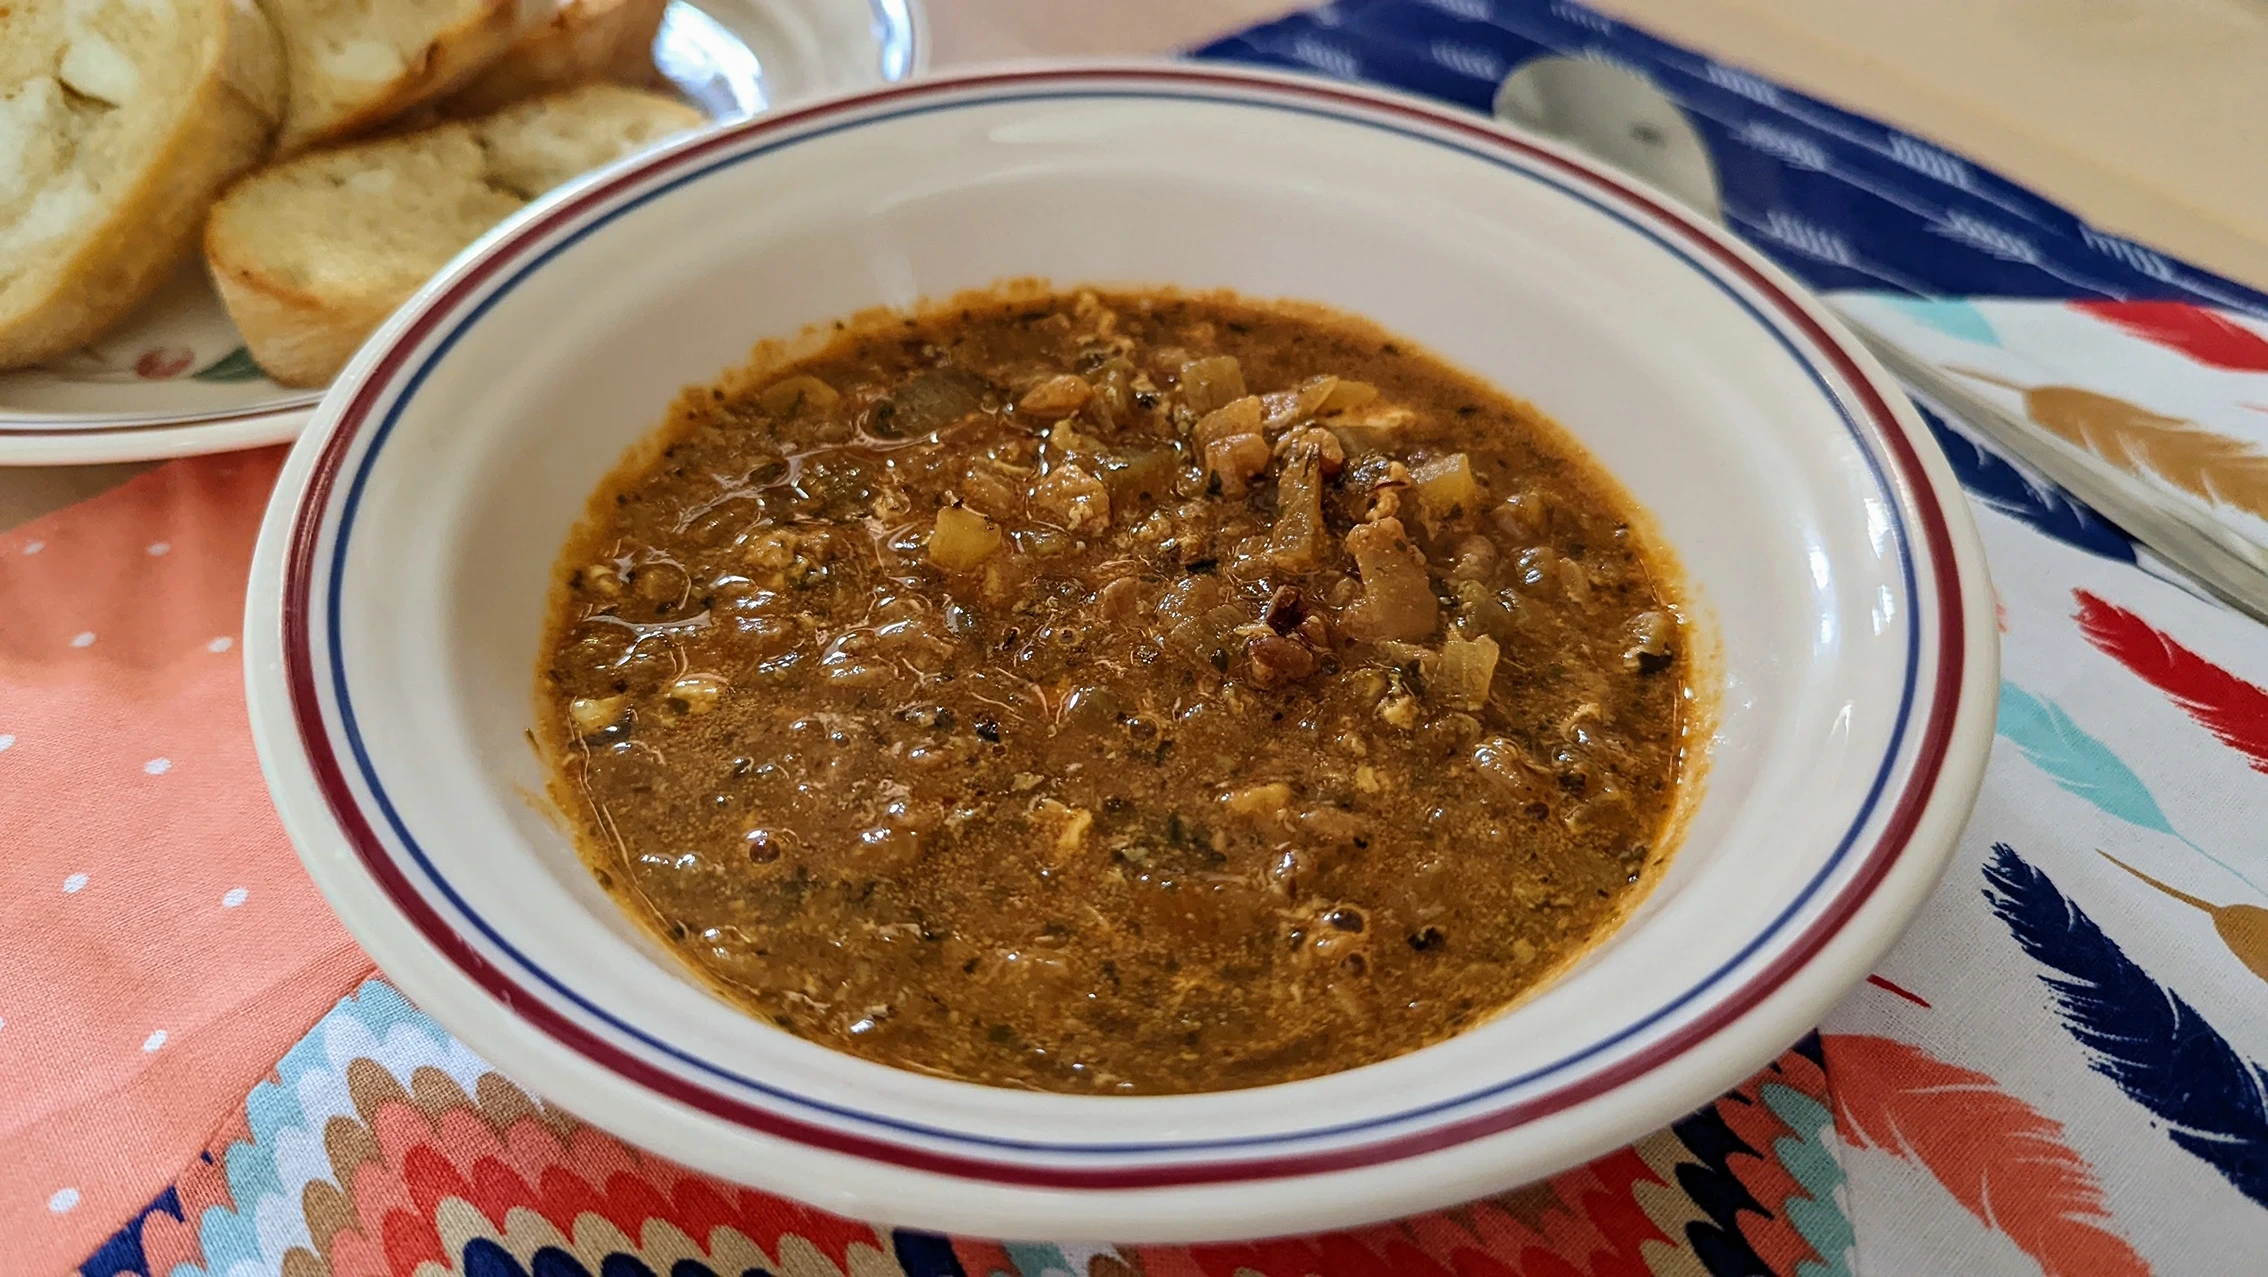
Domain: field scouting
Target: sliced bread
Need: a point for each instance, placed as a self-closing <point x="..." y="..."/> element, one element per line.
<point x="313" y="254"/>
<point x="586" y="40"/>
<point x="355" y="64"/>
<point x="120" y="120"/>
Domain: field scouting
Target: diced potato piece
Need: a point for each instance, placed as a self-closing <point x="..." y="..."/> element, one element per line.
<point x="1239" y="417"/>
<point x="800" y="391"/>
<point x="1071" y="827"/>
<point x="700" y="692"/>
<point x="1466" y="669"/>
<point x="1212" y="383"/>
<point x="601" y="579"/>
<point x="1260" y="804"/>
<point x="962" y="539"/>
<point x="1056" y="397"/>
<point x="1236" y="459"/>
<point x="1073" y="835"/>
<point x="1446" y="488"/>
<point x="594" y="713"/>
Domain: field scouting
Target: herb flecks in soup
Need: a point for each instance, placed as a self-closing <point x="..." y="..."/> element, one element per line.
<point x="1117" y="693"/>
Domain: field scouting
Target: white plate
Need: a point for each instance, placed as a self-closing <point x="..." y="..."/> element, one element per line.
<point x="174" y="380"/>
<point x="395" y="609"/>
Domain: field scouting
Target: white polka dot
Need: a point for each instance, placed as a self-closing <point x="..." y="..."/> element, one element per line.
<point x="84" y="638"/>
<point x="5" y="741"/>
<point x="3" y="1022"/>
<point x="73" y="883"/>
<point x="158" y="766"/>
<point x="155" y="1040"/>
<point x="63" y="1200"/>
<point x="34" y="547"/>
<point x="221" y="644"/>
<point x="235" y="897"/>
<point x="159" y="547"/>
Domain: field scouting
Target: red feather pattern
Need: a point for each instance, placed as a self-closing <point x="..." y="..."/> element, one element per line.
<point x="1774" y="1238"/>
<point x="416" y="1161"/>
<point x="984" y="1258"/>
<point x="1584" y="1223"/>
<point x="2207" y="336"/>
<point x="2001" y="1159"/>
<point x="2232" y="709"/>
<point x="419" y="1172"/>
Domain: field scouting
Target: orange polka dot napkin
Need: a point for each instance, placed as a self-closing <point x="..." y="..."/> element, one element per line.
<point x="156" y="933"/>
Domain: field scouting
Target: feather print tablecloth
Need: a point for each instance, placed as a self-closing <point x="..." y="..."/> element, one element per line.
<point x="2059" y="1071"/>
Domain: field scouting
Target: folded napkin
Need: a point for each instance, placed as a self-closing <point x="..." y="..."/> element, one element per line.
<point x="2059" y="1071"/>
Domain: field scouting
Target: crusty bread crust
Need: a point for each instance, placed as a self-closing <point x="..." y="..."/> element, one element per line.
<point x="222" y="130"/>
<point x="587" y="40"/>
<point x="302" y="334"/>
<point x="452" y="58"/>
<point x="297" y="338"/>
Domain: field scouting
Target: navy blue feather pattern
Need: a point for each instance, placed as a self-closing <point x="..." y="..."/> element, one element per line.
<point x="1710" y="1182"/>
<point x="2000" y="484"/>
<point x="122" y="1254"/>
<point x="926" y="1254"/>
<point x="2140" y="1035"/>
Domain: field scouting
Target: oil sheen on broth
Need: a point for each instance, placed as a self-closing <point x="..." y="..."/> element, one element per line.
<point x="1116" y="693"/>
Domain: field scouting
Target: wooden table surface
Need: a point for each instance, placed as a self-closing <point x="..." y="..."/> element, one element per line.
<point x="2148" y="117"/>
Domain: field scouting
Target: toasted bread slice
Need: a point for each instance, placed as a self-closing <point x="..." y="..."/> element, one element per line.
<point x="313" y="254"/>
<point x="586" y="40"/>
<point x="119" y="123"/>
<point x="354" y="64"/>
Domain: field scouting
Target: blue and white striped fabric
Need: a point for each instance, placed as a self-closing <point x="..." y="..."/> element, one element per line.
<point x="1839" y="200"/>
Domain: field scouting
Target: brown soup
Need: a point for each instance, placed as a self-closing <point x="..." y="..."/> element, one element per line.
<point x="1116" y="693"/>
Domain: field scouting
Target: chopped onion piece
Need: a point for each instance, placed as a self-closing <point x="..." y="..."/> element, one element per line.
<point x="1236" y="459"/>
<point x="1295" y="542"/>
<point x="1239" y="417"/>
<point x="800" y="391"/>
<point x="1446" y="488"/>
<point x="1342" y="395"/>
<point x="962" y="539"/>
<point x="1397" y="599"/>
<point x="1212" y="383"/>
<point x="1466" y="669"/>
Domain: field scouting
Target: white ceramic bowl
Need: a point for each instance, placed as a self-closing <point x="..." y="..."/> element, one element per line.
<point x="400" y="583"/>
